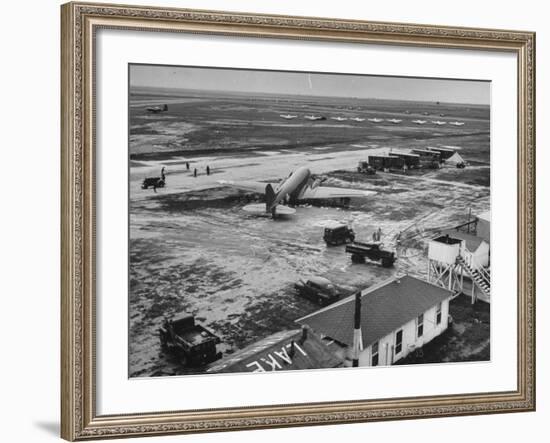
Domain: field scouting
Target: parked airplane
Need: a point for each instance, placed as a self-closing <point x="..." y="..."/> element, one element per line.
<point x="340" y="119"/>
<point x="157" y="109"/>
<point x="288" y="116"/>
<point x="394" y="120"/>
<point x="299" y="185"/>
<point x="375" y="120"/>
<point x="419" y="122"/>
<point x="314" y="117"/>
<point x="357" y="119"/>
<point x="438" y="122"/>
<point x="457" y="123"/>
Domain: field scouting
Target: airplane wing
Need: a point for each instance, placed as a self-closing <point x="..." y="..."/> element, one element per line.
<point x="250" y="186"/>
<point x="323" y="192"/>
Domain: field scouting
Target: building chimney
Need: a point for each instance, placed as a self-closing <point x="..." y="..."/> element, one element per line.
<point x="357" y="336"/>
<point x="292" y="350"/>
<point x="303" y="338"/>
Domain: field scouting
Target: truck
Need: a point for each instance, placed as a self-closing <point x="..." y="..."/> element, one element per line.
<point x="154" y="182"/>
<point x="372" y="251"/>
<point x="338" y="234"/>
<point x="192" y="344"/>
<point x="318" y="290"/>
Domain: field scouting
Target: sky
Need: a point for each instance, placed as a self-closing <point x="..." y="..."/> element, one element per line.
<point x="314" y="84"/>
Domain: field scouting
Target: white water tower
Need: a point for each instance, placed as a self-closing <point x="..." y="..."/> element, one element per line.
<point x="443" y="267"/>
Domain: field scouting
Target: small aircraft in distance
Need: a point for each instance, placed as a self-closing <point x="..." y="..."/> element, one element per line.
<point x="438" y="122"/>
<point x="457" y="123"/>
<point x="288" y="116"/>
<point x="314" y="117"/>
<point x="157" y="109"/>
<point x="339" y="119"/>
<point x="394" y="120"/>
<point x="375" y="120"/>
<point x="299" y="185"/>
<point x="419" y="122"/>
<point x="357" y="119"/>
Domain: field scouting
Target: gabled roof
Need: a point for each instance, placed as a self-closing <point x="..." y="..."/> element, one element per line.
<point x="274" y="353"/>
<point x="472" y="241"/>
<point x="385" y="308"/>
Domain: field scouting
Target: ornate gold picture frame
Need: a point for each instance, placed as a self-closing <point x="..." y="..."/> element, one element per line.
<point x="80" y="22"/>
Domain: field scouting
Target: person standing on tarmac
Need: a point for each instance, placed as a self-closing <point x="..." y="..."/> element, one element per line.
<point x="195" y="172"/>
<point x="207" y="170"/>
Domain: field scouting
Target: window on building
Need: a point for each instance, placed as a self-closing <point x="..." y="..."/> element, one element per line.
<point x="438" y="314"/>
<point x="398" y="341"/>
<point x="420" y="325"/>
<point x="374" y="354"/>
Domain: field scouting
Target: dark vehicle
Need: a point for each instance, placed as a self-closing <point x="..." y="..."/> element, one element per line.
<point x="193" y="344"/>
<point x="317" y="289"/>
<point x="373" y="251"/>
<point x="461" y="165"/>
<point x="364" y="167"/>
<point x="154" y="182"/>
<point x="338" y="235"/>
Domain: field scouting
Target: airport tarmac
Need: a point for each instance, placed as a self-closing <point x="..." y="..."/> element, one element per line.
<point x="193" y="249"/>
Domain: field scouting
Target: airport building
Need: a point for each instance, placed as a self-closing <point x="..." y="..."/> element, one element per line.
<point x="398" y="316"/>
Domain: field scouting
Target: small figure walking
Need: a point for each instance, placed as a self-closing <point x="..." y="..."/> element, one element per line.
<point x="207" y="170"/>
<point x="195" y="172"/>
<point x="187" y="165"/>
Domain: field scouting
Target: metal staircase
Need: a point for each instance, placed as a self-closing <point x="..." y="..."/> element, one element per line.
<point x="480" y="276"/>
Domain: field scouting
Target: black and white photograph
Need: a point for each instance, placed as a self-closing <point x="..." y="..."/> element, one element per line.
<point x="283" y="220"/>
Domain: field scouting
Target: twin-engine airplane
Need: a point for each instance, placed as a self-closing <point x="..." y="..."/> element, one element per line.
<point x="299" y="185"/>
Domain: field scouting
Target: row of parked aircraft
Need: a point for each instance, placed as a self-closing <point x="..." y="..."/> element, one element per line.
<point x="438" y="122"/>
<point x="373" y="120"/>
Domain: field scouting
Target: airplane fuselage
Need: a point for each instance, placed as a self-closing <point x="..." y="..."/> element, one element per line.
<point x="292" y="187"/>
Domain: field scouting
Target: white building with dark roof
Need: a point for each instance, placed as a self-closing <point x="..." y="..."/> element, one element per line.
<point x="398" y="316"/>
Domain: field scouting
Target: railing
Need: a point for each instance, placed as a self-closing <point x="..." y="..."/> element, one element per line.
<point x="471" y="263"/>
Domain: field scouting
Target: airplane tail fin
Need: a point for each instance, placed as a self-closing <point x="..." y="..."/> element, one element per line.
<point x="270" y="197"/>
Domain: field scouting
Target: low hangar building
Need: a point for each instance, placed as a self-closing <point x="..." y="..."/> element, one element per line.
<point x="398" y="316"/>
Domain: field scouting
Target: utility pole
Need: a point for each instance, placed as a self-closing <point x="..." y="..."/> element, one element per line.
<point x="357" y="336"/>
